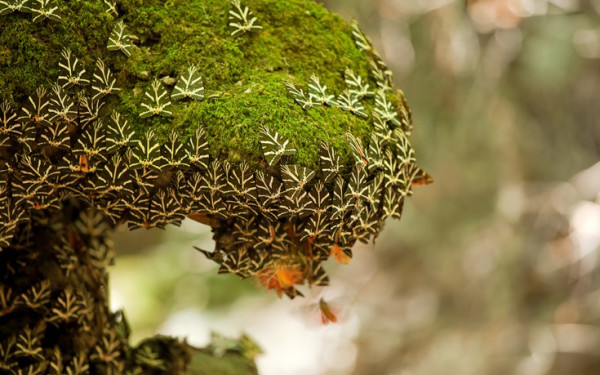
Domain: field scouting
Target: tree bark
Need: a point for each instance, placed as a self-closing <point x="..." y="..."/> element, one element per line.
<point x="54" y="306"/>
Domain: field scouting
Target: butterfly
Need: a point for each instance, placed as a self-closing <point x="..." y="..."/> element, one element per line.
<point x="189" y="85"/>
<point x="280" y="277"/>
<point x="274" y="146"/>
<point x="358" y="150"/>
<point x="327" y="312"/>
<point x="341" y="254"/>
<point x="305" y="101"/>
<point x="156" y="101"/>
<point x="72" y="72"/>
<point x="242" y="19"/>
<point x="318" y="92"/>
<point x="119" y="40"/>
<point x="418" y="177"/>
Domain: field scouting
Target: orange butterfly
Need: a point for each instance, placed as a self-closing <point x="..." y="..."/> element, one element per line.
<point x="84" y="164"/>
<point x="327" y="314"/>
<point x="357" y="148"/>
<point x="280" y="277"/>
<point x="420" y="178"/>
<point x="339" y="254"/>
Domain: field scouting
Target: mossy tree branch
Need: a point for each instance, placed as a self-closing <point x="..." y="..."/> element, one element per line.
<point x="272" y="121"/>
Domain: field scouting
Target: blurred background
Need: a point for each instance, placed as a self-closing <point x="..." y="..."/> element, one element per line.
<point x="492" y="270"/>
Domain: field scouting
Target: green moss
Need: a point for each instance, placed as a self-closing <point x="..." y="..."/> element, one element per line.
<point x="244" y="75"/>
<point x="30" y="52"/>
<point x="229" y="364"/>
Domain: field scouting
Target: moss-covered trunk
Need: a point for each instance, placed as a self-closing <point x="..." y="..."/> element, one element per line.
<point x="54" y="310"/>
<point x="54" y="306"/>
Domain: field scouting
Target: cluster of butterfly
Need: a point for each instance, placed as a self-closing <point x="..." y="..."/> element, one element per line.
<point x="82" y="249"/>
<point x="40" y="9"/>
<point x="348" y="100"/>
<point x="156" y="98"/>
<point x="277" y="225"/>
<point x="119" y="39"/>
<point x="358" y="89"/>
<point x="56" y="133"/>
<point x="322" y="213"/>
<point x="379" y="70"/>
<point x="287" y="226"/>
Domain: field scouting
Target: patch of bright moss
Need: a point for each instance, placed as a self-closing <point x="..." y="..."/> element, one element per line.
<point x="244" y="75"/>
<point x="231" y="363"/>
